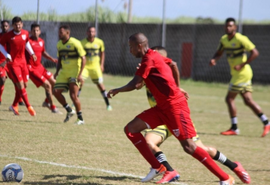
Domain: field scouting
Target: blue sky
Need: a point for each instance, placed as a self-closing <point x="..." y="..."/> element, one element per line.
<point x="220" y="9"/>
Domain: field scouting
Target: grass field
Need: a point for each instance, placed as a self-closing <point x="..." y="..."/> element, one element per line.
<point x="98" y="153"/>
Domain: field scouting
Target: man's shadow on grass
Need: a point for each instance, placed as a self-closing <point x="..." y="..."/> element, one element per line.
<point x="60" y="179"/>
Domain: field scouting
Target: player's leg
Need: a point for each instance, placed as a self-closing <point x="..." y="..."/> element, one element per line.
<point x="230" y="97"/>
<point x="73" y="92"/>
<point x="133" y="132"/>
<point x="248" y="100"/>
<point x="62" y="85"/>
<point x="2" y="81"/>
<point x="218" y="156"/>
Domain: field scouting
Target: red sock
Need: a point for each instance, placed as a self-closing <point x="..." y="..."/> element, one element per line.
<point x="139" y="142"/>
<point x="1" y="91"/>
<point x="17" y="97"/>
<point x="53" y="107"/>
<point x="208" y="162"/>
<point x="24" y="97"/>
<point x="20" y="100"/>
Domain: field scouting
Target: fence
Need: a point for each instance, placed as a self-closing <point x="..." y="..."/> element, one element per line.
<point x="191" y="46"/>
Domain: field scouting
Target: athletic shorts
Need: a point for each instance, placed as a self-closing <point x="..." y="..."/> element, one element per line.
<point x="3" y="72"/>
<point x="39" y="75"/>
<point x="18" y="73"/>
<point x="241" y="87"/>
<point x="178" y="120"/>
<point x="161" y="131"/>
<point x="94" y="73"/>
<point x="64" y="79"/>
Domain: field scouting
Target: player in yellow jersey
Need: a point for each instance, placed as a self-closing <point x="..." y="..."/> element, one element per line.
<point x="155" y="137"/>
<point x="71" y="61"/>
<point x="236" y="45"/>
<point x="95" y="58"/>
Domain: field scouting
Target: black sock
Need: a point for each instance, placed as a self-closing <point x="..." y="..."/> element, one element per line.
<point x="162" y="159"/>
<point x="67" y="107"/>
<point x="234" y="127"/>
<point x="104" y="94"/>
<point x="263" y="118"/>
<point x="79" y="115"/>
<point x="224" y="160"/>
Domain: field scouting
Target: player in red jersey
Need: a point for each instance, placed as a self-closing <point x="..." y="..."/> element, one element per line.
<point x="37" y="73"/>
<point x="3" y="75"/>
<point x="16" y="41"/>
<point x="171" y="109"/>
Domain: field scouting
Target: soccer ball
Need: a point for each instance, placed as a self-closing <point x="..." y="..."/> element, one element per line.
<point x="12" y="172"/>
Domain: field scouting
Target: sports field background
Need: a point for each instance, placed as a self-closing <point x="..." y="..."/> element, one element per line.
<point x="98" y="153"/>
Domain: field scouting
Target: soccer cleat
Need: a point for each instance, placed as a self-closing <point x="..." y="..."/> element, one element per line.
<point x="231" y="132"/>
<point x="109" y="108"/>
<point x="14" y="109"/>
<point x="241" y="173"/>
<point x="169" y="176"/>
<point x="31" y="111"/>
<point x="21" y="103"/>
<point x="230" y="181"/>
<point x="69" y="115"/>
<point x="154" y="173"/>
<point x="266" y="130"/>
<point x="79" y="122"/>
<point x="45" y="104"/>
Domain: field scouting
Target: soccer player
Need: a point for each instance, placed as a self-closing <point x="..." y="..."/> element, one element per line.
<point x="71" y="61"/>
<point x="3" y="75"/>
<point x="95" y="59"/>
<point x="171" y="108"/>
<point x="16" y="42"/>
<point x="155" y="137"/>
<point x="37" y="73"/>
<point x="235" y="45"/>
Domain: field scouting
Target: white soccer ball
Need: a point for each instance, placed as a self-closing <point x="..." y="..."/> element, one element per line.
<point x="12" y="172"/>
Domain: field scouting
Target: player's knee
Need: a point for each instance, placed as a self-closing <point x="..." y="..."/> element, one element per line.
<point x="189" y="149"/>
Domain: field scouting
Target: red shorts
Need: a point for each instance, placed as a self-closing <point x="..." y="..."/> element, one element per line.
<point x="39" y="75"/>
<point x="18" y="73"/>
<point x="3" y="72"/>
<point x="177" y="119"/>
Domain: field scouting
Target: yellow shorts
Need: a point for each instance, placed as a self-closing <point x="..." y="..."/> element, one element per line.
<point x="164" y="133"/>
<point x="94" y="73"/>
<point x="64" y="79"/>
<point x="241" y="87"/>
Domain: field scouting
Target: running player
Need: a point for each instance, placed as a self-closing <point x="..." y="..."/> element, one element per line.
<point x="3" y="75"/>
<point x="37" y="73"/>
<point x="155" y="137"/>
<point x="235" y="45"/>
<point x="171" y="108"/>
<point x="71" y="61"/>
<point x="16" y="42"/>
<point x="95" y="59"/>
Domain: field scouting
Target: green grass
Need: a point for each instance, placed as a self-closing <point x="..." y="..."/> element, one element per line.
<point x="38" y="143"/>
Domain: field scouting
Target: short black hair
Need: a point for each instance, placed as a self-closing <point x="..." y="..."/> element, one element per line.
<point x="16" y="19"/>
<point x="65" y="27"/>
<point x="90" y="27"/>
<point x="3" y="21"/>
<point x="34" y="25"/>
<point x="230" y="19"/>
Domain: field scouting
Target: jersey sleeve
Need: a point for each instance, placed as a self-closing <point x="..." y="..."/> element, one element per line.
<point x="80" y="49"/>
<point x="167" y="60"/>
<point x="248" y="45"/>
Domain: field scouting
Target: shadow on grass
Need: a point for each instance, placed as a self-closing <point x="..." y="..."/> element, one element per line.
<point x="58" y="179"/>
<point x="218" y="134"/>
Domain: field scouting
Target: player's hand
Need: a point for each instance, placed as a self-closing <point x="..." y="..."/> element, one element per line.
<point x="212" y="62"/>
<point x="112" y="93"/>
<point x="55" y="75"/>
<point x="55" y="60"/>
<point x="80" y="79"/>
<point x="34" y="57"/>
<point x="102" y="68"/>
<point x="239" y="67"/>
<point x="185" y="93"/>
<point x="8" y="59"/>
<point x="139" y="65"/>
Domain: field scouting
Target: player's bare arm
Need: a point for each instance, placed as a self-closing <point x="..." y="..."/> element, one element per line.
<point x="102" y="60"/>
<point x="216" y="56"/>
<point x="79" y="78"/>
<point x="253" y="54"/>
<point x="130" y="86"/>
<point x="49" y="57"/>
<point x="58" y="67"/>
<point x="175" y="71"/>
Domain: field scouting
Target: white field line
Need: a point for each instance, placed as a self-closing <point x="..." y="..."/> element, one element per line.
<point x="80" y="167"/>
